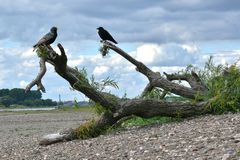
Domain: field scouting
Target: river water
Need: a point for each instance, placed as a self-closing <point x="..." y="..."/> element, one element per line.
<point x="26" y="109"/>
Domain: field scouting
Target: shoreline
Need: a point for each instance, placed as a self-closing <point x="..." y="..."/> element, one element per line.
<point x="27" y="109"/>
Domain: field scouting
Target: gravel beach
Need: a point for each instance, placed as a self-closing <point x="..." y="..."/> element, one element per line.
<point x="202" y="138"/>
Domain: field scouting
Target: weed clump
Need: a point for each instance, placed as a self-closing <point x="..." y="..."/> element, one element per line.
<point x="87" y="130"/>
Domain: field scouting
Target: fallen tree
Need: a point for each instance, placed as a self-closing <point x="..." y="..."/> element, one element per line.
<point x="116" y="109"/>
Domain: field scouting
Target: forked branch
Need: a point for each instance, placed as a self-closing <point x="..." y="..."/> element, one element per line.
<point x="155" y="79"/>
<point x="38" y="80"/>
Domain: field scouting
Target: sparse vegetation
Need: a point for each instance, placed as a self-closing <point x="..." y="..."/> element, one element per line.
<point x="225" y="91"/>
<point x="223" y="87"/>
<point x="138" y="121"/>
<point x="87" y="130"/>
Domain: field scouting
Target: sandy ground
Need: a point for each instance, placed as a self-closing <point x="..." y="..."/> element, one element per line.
<point x="207" y="137"/>
<point x="20" y="133"/>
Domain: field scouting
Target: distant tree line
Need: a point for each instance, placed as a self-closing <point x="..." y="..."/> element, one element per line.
<point x="18" y="96"/>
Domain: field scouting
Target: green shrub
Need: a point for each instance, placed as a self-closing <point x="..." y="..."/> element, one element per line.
<point x="223" y="85"/>
<point x="225" y="92"/>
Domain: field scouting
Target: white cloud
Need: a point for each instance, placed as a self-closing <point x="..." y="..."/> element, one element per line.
<point x="28" y="54"/>
<point x="170" y="69"/>
<point x="20" y="74"/>
<point x="63" y="90"/>
<point x="166" y="55"/>
<point x="238" y="64"/>
<point x="148" y="53"/>
<point x="23" y="83"/>
<point x="190" y="48"/>
<point x="75" y="62"/>
<point x="154" y="22"/>
<point x="2" y="58"/>
<point x="30" y="63"/>
<point x="99" y="70"/>
<point x="224" y="57"/>
<point x="2" y="73"/>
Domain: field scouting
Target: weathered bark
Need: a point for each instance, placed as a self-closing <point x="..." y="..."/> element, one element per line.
<point x="117" y="108"/>
<point x="66" y="135"/>
<point x="150" y="108"/>
<point x="101" y="124"/>
<point x="193" y="80"/>
<point x="147" y="89"/>
<point x="37" y="81"/>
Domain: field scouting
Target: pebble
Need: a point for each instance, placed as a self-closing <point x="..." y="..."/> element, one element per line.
<point x="204" y="137"/>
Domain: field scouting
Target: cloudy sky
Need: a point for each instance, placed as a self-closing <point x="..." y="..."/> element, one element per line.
<point x="166" y="35"/>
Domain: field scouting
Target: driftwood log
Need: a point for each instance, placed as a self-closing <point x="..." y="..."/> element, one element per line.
<point x="120" y="109"/>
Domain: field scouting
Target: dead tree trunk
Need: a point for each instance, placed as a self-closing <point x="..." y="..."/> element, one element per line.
<point x="117" y="108"/>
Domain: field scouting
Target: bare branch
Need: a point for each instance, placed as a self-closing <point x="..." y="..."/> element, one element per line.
<point x="193" y="79"/>
<point x="37" y="80"/>
<point x="140" y="66"/>
<point x="175" y="76"/>
<point x="76" y="80"/>
<point x="66" y="135"/>
<point x="155" y="78"/>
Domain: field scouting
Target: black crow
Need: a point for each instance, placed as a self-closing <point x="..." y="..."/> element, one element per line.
<point x="48" y="39"/>
<point x="105" y="35"/>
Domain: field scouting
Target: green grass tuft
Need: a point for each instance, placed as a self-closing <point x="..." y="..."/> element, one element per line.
<point x="138" y="121"/>
<point x="88" y="130"/>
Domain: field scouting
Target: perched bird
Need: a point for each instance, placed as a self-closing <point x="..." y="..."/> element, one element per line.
<point x="105" y="35"/>
<point x="48" y="39"/>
